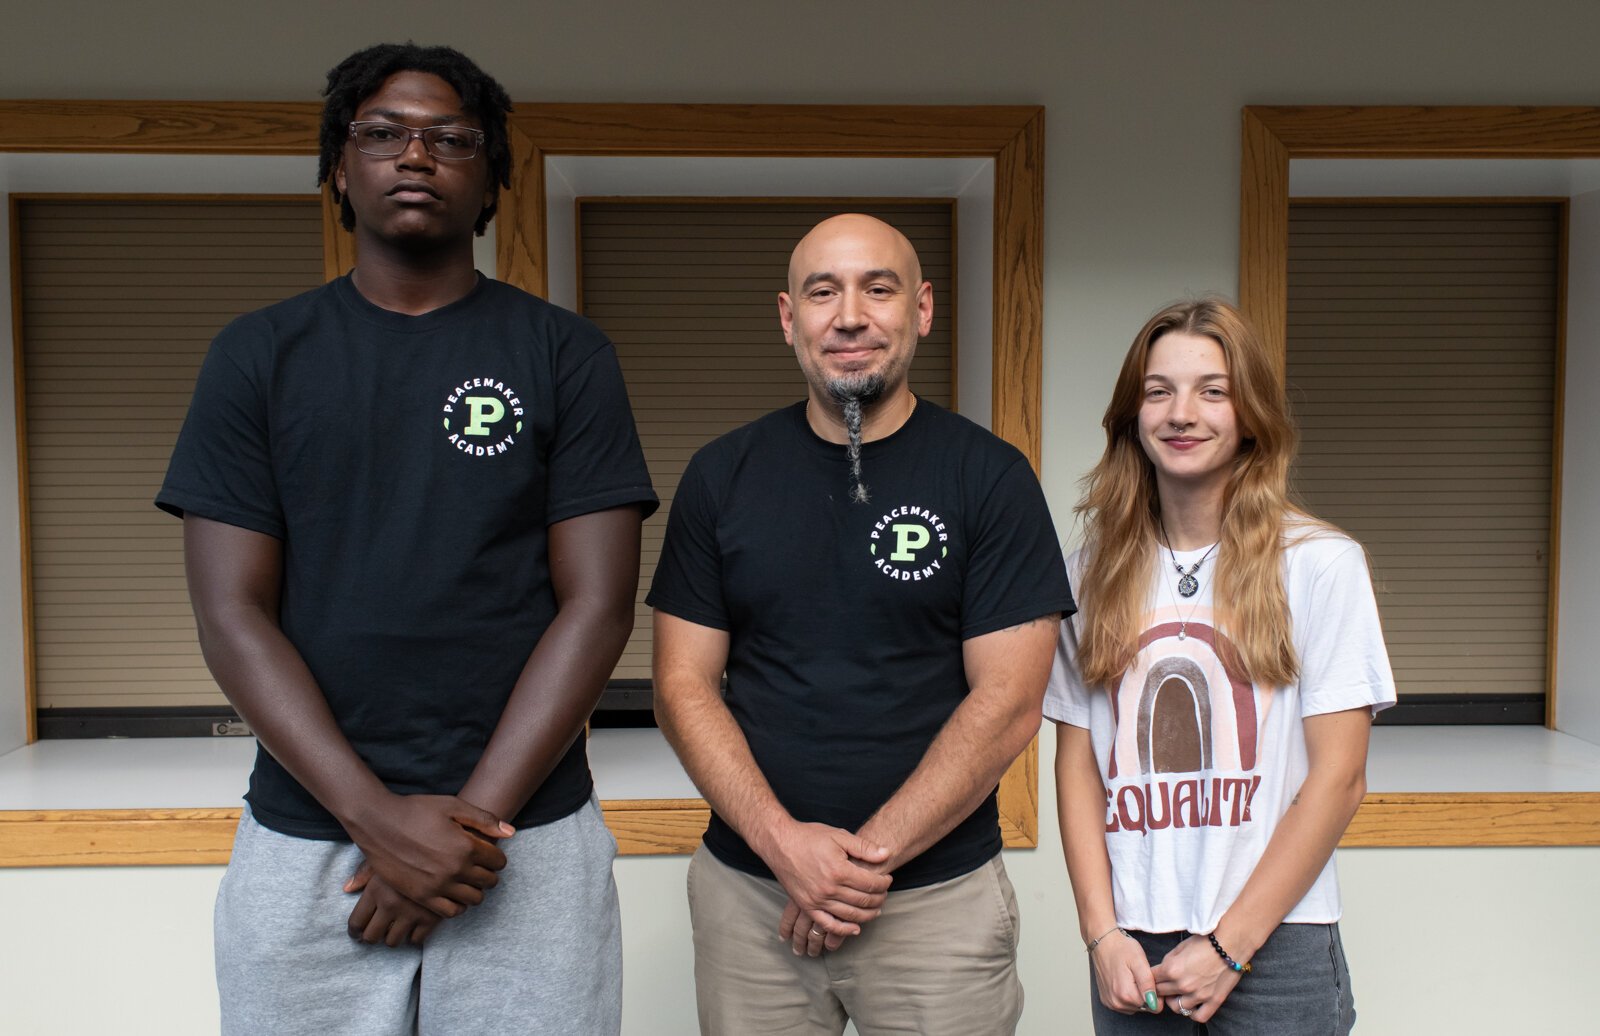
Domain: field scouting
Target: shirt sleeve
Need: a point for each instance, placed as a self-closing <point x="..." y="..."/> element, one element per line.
<point x="1344" y="663"/>
<point x="221" y="467"/>
<point x="1066" y="699"/>
<point x="1014" y="571"/>
<point x="595" y="459"/>
<point x="688" y="577"/>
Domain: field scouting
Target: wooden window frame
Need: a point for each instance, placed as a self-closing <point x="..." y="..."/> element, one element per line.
<point x="1011" y="136"/>
<point x="1270" y="137"/>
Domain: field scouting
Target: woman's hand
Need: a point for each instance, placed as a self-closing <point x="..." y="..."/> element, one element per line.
<point x="1193" y="980"/>
<point x="1122" y="975"/>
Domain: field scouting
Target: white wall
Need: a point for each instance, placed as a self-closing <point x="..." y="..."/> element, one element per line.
<point x="1577" y="695"/>
<point x="13" y="706"/>
<point x="1141" y="205"/>
<point x="1459" y="941"/>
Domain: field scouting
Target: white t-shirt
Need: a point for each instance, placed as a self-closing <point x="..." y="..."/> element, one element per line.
<point x="1199" y="764"/>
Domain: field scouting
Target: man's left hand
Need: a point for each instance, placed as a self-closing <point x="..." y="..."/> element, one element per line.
<point x="383" y="915"/>
<point x="804" y="936"/>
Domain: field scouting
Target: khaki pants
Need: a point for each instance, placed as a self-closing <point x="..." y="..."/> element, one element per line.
<point x="940" y="960"/>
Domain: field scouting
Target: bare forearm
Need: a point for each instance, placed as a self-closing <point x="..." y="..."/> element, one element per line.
<point x="716" y="756"/>
<point x="1296" y="854"/>
<point x="233" y="577"/>
<point x="987" y="731"/>
<point x="1080" y="807"/>
<point x="553" y="697"/>
<point x="594" y="573"/>
<point x="960" y="769"/>
<point x="265" y="679"/>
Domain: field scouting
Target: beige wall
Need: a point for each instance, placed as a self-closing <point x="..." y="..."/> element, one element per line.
<point x="1141" y="205"/>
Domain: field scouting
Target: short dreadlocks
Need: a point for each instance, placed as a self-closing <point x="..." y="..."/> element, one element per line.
<point x="360" y="75"/>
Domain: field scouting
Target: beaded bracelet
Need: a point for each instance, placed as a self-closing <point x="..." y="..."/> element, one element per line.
<point x="1096" y="942"/>
<point x="1243" y="969"/>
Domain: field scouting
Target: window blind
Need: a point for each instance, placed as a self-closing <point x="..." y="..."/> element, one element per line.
<point x="119" y="299"/>
<point x="1422" y="358"/>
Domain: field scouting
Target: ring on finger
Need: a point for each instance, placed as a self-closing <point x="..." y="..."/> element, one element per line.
<point x="1185" y="1011"/>
<point x="819" y="933"/>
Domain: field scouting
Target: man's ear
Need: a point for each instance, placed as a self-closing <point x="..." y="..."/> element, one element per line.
<point x="786" y="316"/>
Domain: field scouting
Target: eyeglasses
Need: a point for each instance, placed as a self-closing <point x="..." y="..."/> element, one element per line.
<point x="388" y="140"/>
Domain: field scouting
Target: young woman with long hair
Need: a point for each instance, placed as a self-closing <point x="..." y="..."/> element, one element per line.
<point x="1213" y="698"/>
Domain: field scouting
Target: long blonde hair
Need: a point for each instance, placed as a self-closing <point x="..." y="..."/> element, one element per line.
<point x="1120" y="509"/>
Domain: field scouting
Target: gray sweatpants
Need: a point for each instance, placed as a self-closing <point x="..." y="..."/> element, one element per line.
<point x="541" y="954"/>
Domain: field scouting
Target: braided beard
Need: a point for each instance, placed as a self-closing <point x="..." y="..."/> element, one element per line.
<point x="852" y="394"/>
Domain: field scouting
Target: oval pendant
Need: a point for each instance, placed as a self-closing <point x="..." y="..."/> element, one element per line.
<point x="1183" y="632"/>
<point x="1188" y="586"/>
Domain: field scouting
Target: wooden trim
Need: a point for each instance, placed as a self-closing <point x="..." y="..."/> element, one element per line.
<point x="656" y="827"/>
<point x="1273" y="135"/>
<point x="161" y="127"/>
<point x="116" y="837"/>
<point x="755" y="199"/>
<point x="1019" y="290"/>
<point x="520" y="228"/>
<point x="1443" y="200"/>
<point x="338" y="244"/>
<point x="30" y="685"/>
<point x="1012" y="136"/>
<point x="246" y="197"/>
<point x="1475" y="819"/>
<point x="1411" y="131"/>
<point x="1264" y="234"/>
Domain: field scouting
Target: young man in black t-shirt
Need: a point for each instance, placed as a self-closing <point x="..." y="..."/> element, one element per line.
<point x="881" y="582"/>
<point x="411" y="504"/>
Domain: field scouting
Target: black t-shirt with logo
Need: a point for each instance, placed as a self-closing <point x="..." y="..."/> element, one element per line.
<point x="846" y="620"/>
<point x="411" y="466"/>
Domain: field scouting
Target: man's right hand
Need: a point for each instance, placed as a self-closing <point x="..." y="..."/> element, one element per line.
<point x="436" y="850"/>
<point x="829" y="874"/>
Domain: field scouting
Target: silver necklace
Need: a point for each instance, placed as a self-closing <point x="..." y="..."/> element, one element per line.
<point x="1177" y="609"/>
<point x="1188" y="585"/>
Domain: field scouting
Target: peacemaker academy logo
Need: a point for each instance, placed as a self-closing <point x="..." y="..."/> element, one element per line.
<point x="483" y="417"/>
<point x="909" y="544"/>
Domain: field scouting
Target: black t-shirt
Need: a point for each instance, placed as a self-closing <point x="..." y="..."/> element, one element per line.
<point x="410" y="465"/>
<point x="846" y="620"/>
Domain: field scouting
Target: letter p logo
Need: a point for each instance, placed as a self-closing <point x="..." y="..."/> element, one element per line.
<point x="908" y="539"/>
<point x="485" y="410"/>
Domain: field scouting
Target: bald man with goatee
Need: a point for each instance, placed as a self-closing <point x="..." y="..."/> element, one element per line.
<point x="880" y="581"/>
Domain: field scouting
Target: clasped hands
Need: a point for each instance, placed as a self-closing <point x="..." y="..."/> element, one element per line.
<point x="1191" y="979"/>
<point x="427" y="858"/>
<point x="836" y="880"/>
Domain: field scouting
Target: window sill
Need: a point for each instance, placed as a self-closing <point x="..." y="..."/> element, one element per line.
<point x="175" y="801"/>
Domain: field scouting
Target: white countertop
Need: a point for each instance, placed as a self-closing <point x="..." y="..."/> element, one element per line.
<point x="1480" y="758"/>
<point x="178" y="773"/>
<point x="195" y="772"/>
